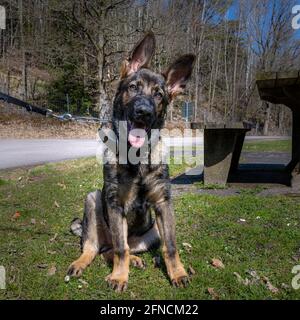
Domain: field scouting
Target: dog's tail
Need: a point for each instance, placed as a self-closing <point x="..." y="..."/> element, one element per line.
<point x="76" y="227"/>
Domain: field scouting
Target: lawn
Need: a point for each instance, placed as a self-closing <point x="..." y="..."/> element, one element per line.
<point x="246" y="232"/>
<point x="284" y="145"/>
<point x="268" y="146"/>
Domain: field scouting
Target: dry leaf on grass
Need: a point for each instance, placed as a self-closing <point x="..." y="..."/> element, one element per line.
<point x="56" y="204"/>
<point x="213" y="293"/>
<point x="191" y="271"/>
<point x="52" y="271"/>
<point x="285" y="286"/>
<point x="17" y="215"/>
<point x="54" y="238"/>
<point x="254" y="275"/>
<point x="33" y="221"/>
<point x="217" y="263"/>
<point x="62" y="185"/>
<point x="296" y="257"/>
<point x="42" y="266"/>
<point x="83" y="282"/>
<point x="269" y="285"/>
<point x="245" y="281"/>
<point x="256" y="279"/>
<point x="132" y="295"/>
<point x="188" y="247"/>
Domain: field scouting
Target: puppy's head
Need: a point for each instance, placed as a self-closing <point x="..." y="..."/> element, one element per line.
<point x="143" y="95"/>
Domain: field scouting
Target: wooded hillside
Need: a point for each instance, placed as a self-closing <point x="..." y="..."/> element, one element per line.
<point x="66" y="55"/>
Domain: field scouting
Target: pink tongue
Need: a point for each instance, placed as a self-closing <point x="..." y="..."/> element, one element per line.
<point x="136" y="139"/>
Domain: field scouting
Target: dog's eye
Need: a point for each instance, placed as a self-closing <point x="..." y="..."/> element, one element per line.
<point x="133" y="87"/>
<point x="158" y="95"/>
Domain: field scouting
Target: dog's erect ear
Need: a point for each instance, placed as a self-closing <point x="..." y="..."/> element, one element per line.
<point x="140" y="55"/>
<point x="178" y="74"/>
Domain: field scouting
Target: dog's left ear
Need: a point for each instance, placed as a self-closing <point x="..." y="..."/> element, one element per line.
<point x="140" y="56"/>
<point x="178" y="74"/>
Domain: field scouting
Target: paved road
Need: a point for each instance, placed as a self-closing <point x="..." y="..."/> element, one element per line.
<point x="18" y="153"/>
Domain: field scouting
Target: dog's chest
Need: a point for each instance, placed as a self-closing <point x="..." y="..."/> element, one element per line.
<point x="132" y="190"/>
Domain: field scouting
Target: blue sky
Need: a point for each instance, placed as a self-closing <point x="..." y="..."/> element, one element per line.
<point x="231" y="14"/>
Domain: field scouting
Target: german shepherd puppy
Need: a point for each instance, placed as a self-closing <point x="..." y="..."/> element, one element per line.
<point x="118" y="222"/>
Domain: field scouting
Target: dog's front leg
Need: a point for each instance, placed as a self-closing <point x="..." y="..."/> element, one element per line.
<point x="118" y="279"/>
<point x="166" y="224"/>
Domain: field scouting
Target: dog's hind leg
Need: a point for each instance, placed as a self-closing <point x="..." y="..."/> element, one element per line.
<point x="91" y="237"/>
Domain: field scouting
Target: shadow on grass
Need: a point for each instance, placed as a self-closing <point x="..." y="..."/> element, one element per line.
<point x="247" y="173"/>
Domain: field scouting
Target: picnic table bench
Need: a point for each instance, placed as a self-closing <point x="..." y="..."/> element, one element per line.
<point x="223" y="144"/>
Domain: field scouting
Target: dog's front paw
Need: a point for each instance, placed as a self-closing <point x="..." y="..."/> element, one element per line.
<point x="180" y="278"/>
<point x="76" y="269"/>
<point x="118" y="283"/>
<point x="180" y="281"/>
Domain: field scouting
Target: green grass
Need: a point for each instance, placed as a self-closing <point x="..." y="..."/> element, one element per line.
<point x="2" y="182"/>
<point x="268" y="146"/>
<point x="251" y="191"/>
<point x="53" y="195"/>
<point x="176" y="168"/>
<point x="209" y="186"/>
<point x="256" y="146"/>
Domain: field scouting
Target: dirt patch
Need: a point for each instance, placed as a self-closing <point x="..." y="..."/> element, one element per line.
<point x="16" y="123"/>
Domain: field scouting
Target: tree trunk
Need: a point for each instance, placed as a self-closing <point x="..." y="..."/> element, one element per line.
<point x="234" y="82"/>
<point x="8" y="82"/>
<point x="22" y="44"/>
<point x="267" y="121"/>
<point x="226" y="99"/>
<point x="216" y="77"/>
<point x="104" y="106"/>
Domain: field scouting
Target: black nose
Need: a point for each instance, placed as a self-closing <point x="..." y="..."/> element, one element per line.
<point x="142" y="112"/>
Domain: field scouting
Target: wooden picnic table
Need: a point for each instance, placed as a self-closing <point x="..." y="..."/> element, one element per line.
<point x="284" y="88"/>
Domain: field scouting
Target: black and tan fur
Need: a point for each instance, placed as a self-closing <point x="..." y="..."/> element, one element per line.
<point x="118" y="221"/>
